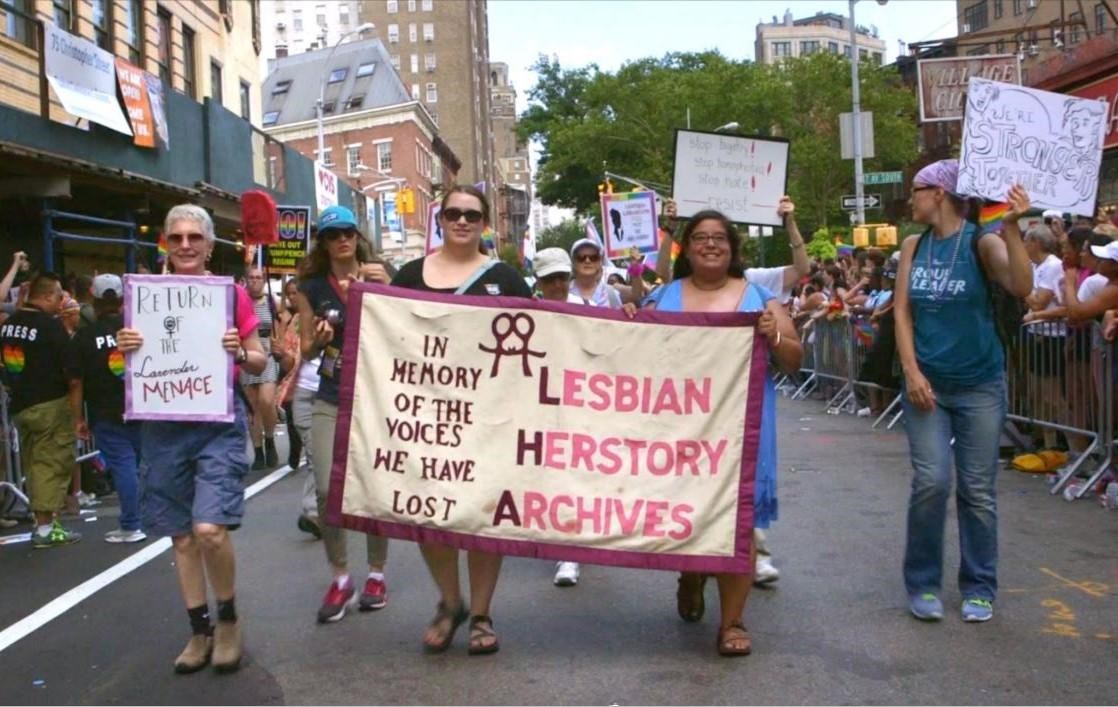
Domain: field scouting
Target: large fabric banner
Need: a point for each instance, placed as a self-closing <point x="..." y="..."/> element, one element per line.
<point x="549" y="430"/>
<point x="83" y="76"/>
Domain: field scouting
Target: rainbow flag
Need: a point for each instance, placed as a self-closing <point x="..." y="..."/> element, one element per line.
<point x="161" y="248"/>
<point x="489" y="239"/>
<point x="676" y="247"/>
<point x="991" y="217"/>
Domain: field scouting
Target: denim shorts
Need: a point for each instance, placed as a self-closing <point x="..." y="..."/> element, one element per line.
<point x="193" y="473"/>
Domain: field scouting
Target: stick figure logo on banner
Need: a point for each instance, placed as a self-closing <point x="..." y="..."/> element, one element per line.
<point x="504" y="327"/>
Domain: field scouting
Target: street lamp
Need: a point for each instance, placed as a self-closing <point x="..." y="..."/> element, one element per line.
<point x="731" y="127"/>
<point x="856" y="119"/>
<point x="361" y="29"/>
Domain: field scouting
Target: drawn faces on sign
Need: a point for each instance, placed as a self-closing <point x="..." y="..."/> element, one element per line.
<point x="1082" y="121"/>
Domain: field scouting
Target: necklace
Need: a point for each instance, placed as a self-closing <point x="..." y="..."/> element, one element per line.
<point x="695" y="284"/>
<point x="933" y="292"/>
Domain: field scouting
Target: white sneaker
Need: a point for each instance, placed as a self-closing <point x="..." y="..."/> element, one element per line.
<point x="864" y="412"/>
<point x="764" y="572"/>
<point x="566" y="574"/>
<point x="87" y="500"/>
<point x="125" y="536"/>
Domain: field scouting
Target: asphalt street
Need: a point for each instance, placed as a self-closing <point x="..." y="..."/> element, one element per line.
<point x="834" y="629"/>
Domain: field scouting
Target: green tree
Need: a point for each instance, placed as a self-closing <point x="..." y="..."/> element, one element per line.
<point x="563" y="235"/>
<point x="822" y="245"/>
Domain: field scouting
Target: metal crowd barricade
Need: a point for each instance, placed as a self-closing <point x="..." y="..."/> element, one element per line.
<point x="12" y="483"/>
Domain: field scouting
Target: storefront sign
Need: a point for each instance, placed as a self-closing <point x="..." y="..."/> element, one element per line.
<point x="83" y="75"/>
<point x="1104" y="90"/>
<point x="135" y="91"/>
<point x="943" y="82"/>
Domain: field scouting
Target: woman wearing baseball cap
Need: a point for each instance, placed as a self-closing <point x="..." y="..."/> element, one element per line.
<point x="341" y="255"/>
<point x="954" y="382"/>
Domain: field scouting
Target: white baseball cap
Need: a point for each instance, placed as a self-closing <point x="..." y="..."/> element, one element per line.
<point x="582" y="242"/>
<point x="1106" y="252"/>
<point x="1053" y="213"/>
<point x="550" y="261"/>
<point x="106" y="283"/>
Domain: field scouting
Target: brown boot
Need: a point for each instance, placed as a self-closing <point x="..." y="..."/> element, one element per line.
<point x="227" y="646"/>
<point x="195" y="656"/>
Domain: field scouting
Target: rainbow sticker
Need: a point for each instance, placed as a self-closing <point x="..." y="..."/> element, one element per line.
<point x="14" y="360"/>
<point x="116" y="363"/>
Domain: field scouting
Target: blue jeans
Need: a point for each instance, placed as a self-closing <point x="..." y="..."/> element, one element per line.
<point x="974" y="416"/>
<point x="120" y="445"/>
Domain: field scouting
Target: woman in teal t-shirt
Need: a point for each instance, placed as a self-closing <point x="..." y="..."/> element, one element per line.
<point x="954" y="379"/>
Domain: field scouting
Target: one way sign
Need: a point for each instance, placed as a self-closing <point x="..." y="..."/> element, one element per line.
<point x="869" y="201"/>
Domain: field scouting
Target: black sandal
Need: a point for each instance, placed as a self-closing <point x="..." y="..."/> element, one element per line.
<point x="690" y="602"/>
<point x="483" y="626"/>
<point x="725" y="640"/>
<point x="456" y="618"/>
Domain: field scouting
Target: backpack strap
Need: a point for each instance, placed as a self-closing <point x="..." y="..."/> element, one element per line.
<point x="478" y="274"/>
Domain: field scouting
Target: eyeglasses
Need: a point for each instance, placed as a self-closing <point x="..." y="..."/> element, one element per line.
<point x="180" y="238"/>
<point x="453" y="215"/>
<point x="334" y="234"/>
<point x="588" y="257"/>
<point x="710" y="238"/>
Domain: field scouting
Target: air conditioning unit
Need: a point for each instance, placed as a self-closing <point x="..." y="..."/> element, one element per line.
<point x="281" y="25"/>
<point x="1031" y="4"/>
<point x="966" y="27"/>
<point x="1033" y="50"/>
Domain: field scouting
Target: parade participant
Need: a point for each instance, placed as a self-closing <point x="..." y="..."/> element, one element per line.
<point x="83" y="293"/>
<point x="954" y="382"/>
<point x="458" y="268"/>
<point x="34" y="344"/>
<point x="710" y="277"/>
<point x="70" y="315"/>
<point x="260" y="390"/>
<point x="192" y="474"/>
<point x="553" y="278"/>
<point x="19" y="265"/>
<point x="296" y="393"/>
<point x="1047" y="340"/>
<point x="98" y="367"/>
<point x="588" y="283"/>
<point x="341" y="255"/>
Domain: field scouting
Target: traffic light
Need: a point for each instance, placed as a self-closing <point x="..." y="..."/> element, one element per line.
<point x="861" y="237"/>
<point x="886" y="236"/>
<point x="605" y="187"/>
<point x="400" y="202"/>
<point x="409" y="200"/>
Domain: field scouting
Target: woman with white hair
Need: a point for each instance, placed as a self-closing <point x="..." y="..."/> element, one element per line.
<point x="192" y="474"/>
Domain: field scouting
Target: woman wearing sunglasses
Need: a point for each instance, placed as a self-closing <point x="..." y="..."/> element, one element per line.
<point x="192" y="474"/>
<point x="341" y="255"/>
<point x="461" y="267"/>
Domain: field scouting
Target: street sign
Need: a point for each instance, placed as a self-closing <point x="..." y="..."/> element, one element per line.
<point x="869" y="201"/>
<point x="884" y="177"/>
<point x="846" y="134"/>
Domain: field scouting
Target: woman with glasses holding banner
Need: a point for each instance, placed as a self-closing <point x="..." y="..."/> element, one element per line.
<point x="341" y="255"/>
<point x="954" y="384"/>
<point x="462" y="267"/>
<point x="709" y="276"/>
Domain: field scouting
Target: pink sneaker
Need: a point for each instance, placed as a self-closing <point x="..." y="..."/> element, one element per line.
<point x="335" y="602"/>
<point x="374" y="596"/>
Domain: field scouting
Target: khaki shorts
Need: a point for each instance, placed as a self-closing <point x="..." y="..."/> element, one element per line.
<point x="46" y="442"/>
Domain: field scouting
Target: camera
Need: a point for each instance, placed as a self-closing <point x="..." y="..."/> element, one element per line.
<point x="334" y="316"/>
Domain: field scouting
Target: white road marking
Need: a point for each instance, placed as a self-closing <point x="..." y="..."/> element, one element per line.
<point x="68" y="600"/>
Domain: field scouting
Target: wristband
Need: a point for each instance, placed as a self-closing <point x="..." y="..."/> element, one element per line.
<point x="636" y="270"/>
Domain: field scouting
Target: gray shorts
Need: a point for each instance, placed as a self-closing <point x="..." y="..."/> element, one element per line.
<point x="193" y="473"/>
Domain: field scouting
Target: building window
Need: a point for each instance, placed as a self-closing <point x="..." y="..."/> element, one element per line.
<point x="1100" y="18"/>
<point x="281" y="87"/>
<point x="163" y="41"/>
<point x="415" y="91"/>
<point x="343" y="15"/>
<point x="271" y="117"/>
<point x="782" y="49"/>
<point x="411" y="5"/>
<point x="877" y="58"/>
<point x="1075" y="27"/>
<point x="63" y="13"/>
<point x="1017" y="10"/>
<point x="355" y="102"/>
<point x="833" y="47"/>
<point x="365" y="70"/>
<point x="391" y="6"/>
<point x="863" y="54"/>
<point x="384" y="156"/>
<point x="246" y="101"/>
<point x="320" y="16"/>
<point x="352" y="158"/>
<point x="328" y="107"/>
<point x="415" y="63"/>
<point x="393" y="34"/>
<point x="427" y="5"/>
<point x="998" y="9"/>
<point x="102" y="24"/>
<point x="338" y="75"/>
<point x="429" y="62"/>
<point x="846" y="51"/>
<point x="809" y="47"/>
<point x="999" y="47"/>
<point x="428" y="32"/>
<point x="975" y="17"/>
<point x="215" y="82"/>
<point x="327" y="161"/>
<point x="396" y="61"/>
<point x="432" y="93"/>
<point x="297" y="20"/>
<point x="413" y="33"/>
<point x="134" y="31"/>
<point x="189" y="64"/>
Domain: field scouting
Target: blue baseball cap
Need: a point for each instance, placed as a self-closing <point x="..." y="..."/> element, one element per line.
<point x="336" y="217"/>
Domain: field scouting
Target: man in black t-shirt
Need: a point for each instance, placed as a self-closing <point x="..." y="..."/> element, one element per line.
<point x="33" y="346"/>
<point x="95" y="364"/>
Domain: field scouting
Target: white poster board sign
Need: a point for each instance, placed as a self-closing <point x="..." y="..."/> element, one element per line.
<point x="1049" y="143"/>
<point x="434" y="228"/>
<point x="629" y="220"/>
<point x="83" y="75"/>
<point x="325" y="186"/>
<point x="744" y="177"/>
<point x="182" y="372"/>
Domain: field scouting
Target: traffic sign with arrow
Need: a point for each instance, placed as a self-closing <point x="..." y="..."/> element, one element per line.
<point x="869" y="201"/>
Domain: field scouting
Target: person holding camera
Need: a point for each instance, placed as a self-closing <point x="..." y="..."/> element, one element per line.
<point x="341" y="255"/>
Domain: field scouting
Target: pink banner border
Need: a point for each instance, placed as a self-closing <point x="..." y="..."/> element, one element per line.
<point x="738" y="563"/>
